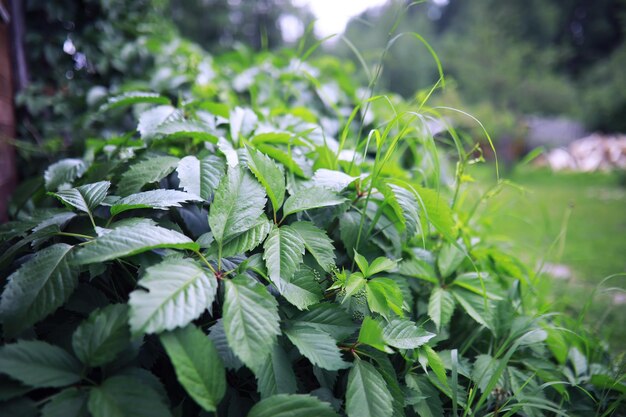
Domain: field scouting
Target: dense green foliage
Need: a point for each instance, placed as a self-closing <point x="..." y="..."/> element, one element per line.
<point x="522" y="57"/>
<point x="266" y="241"/>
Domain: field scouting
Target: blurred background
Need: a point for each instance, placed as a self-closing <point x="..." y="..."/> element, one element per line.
<point x="546" y="78"/>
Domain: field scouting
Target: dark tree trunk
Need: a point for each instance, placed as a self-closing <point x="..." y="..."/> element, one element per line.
<point x="8" y="173"/>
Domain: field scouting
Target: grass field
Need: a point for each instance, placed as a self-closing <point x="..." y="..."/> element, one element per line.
<point x="572" y="228"/>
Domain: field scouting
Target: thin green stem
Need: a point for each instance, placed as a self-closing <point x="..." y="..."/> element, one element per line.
<point x="79" y="235"/>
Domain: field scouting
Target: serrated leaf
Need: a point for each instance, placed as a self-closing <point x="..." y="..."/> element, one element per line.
<point x="449" y="259"/>
<point x="371" y="333"/>
<point x="440" y="306"/>
<point x="133" y="97"/>
<point x="179" y="290"/>
<point x="303" y="290"/>
<point x="238" y="203"/>
<point x="283" y="251"/>
<point x="317" y="242"/>
<point x="86" y="197"/>
<point x="251" y="319"/>
<point x="329" y="318"/>
<point x="317" y="346"/>
<point x="384" y="297"/>
<point x="63" y="172"/>
<point x="69" y="402"/>
<point x="283" y="157"/>
<point x="194" y="129"/>
<point x="100" y="338"/>
<point x="148" y="170"/>
<point x="155" y="199"/>
<point x="437" y="212"/>
<point x="151" y="119"/>
<point x="270" y="175"/>
<point x="404" y="334"/>
<point x="39" y="364"/>
<point x="201" y="177"/>
<point x="480" y="283"/>
<point x="367" y="394"/>
<point x="333" y="180"/>
<point x="435" y="363"/>
<point x="242" y="123"/>
<point x="275" y="374"/>
<point x="425" y="397"/>
<point x="38" y="288"/>
<point x="409" y="208"/>
<point x="247" y="240"/>
<point x="132" y="239"/>
<point x="292" y="405"/>
<point x="124" y="396"/>
<point x="479" y="308"/>
<point x="198" y="366"/>
<point x="381" y="264"/>
<point x="311" y="198"/>
<point x="218" y="336"/>
<point x="485" y="367"/>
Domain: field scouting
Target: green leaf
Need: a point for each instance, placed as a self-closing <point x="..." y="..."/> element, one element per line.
<point x="86" y="197"/>
<point x="436" y="364"/>
<point x="480" y="283"/>
<point x="251" y="319"/>
<point x="303" y="290"/>
<point x="354" y="283"/>
<point x="409" y="208"/>
<point x="149" y="170"/>
<point x="283" y="157"/>
<point x="247" y="240"/>
<point x="311" y="198"/>
<point x="275" y="374"/>
<point x="125" y="396"/>
<point x="384" y="297"/>
<point x="151" y="119"/>
<point x="201" y="177"/>
<point x="294" y="405"/>
<point x="371" y="334"/>
<point x="194" y="129"/>
<point x="440" y="306"/>
<point x="317" y="346"/>
<point x="479" y="308"/>
<point x="179" y="290"/>
<point x="270" y="175"/>
<point x="198" y="366"/>
<point x="449" y="259"/>
<point x="218" y="336"/>
<point x="39" y="364"/>
<point x="404" y="334"/>
<point x="317" y="242"/>
<point x="361" y="262"/>
<point x="38" y="288"/>
<point x="367" y="394"/>
<point x="69" y="402"/>
<point x="283" y="250"/>
<point x="102" y="336"/>
<point x="381" y="264"/>
<point x="130" y="240"/>
<point x="424" y="397"/>
<point x="63" y="172"/>
<point x="329" y="318"/>
<point x="242" y="123"/>
<point x="133" y="97"/>
<point x="155" y="199"/>
<point x="485" y="367"/>
<point x="333" y="180"/>
<point x="238" y="203"/>
<point x="437" y="212"/>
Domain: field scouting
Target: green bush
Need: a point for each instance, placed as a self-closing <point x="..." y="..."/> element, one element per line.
<point x="264" y="247"/>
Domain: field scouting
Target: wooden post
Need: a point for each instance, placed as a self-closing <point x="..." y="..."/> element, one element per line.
<point x="8" y="173"/>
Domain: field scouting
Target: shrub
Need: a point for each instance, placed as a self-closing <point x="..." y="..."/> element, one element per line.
<point x="256" y="250"/>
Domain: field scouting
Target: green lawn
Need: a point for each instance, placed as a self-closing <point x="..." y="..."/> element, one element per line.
<point x="574" y="224"/>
